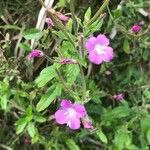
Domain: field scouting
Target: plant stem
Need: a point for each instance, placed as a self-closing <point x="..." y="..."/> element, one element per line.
<point x="50" y="59"/>
<point x="58" y="23"/>
<point x="98" y="12"/>
<point x="72" y="9"/>
<point x="74" y="95"/>
<point x="81" y="47"/>
<point x="83" y="82"/>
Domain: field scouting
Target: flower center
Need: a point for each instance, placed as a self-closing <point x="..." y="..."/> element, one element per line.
<point x="71" y="113"/>
<point x="99" y="49"/>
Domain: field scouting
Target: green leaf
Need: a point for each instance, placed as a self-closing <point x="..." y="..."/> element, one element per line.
<point x="145" y="124"/>
<point x="148" y="135"/>
<point x="145" y="55"/>
<point x="45" y="76"/>
<point x="4" y="88"/>
<point x="102" y="136"/>
<point x="29" y="111"/>
<point x="122" y="138"/>
<point x="32" y="34"/>
<point x="29" y="114"/>
<point x="13" y="27"/>
<point x="72" y="71"/>
<point x="61" y="3"/>
<point x="31" y="129"/>
<point x="65" y="48"/>
<point x="72" y="145"/>
<point x="87" y="16"/>
<point x="116" y="113"/>
<point x="25" y="47"/>
<point x="4" y="102"/>
<point x="50" y="95"/>
<point x="117" y="13"/>
<point x="21" y="124"/>
<point x="126" y="46"/>
<point x="95" y="26"/>
<point x="39" y="118"/>
<point x="132" y="147"/>
<point x="69" y="25"/>
<point x="36" y="139"/>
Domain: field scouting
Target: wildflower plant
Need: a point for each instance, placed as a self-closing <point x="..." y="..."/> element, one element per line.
<point x="83" y="79"/>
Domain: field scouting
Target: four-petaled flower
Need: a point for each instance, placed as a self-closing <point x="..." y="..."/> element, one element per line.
<point x="70" y="114"/>
<point x="35" y="53"/>
<point x="98" y="49"/>
<point x="136" y="28"/>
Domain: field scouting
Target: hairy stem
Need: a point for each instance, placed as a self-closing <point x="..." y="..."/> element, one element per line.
<point x="98" y="12"/>
<point x="70" y="92"/>
<point x="58" y="23"/>
<point x="72" y="9"/>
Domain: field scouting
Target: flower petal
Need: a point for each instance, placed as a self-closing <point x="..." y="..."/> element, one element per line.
<point x="90" y="43"/>
<point x="103" y="40"/>
<point x="66" y="103"/>
<point x="95" y="58"/>
<point x="61" y="117"/>
<point x="80" y="109"/>
<point x="87" y="123"/>
<point x="108" y="56"/>
<point x="62" y="17"/>
<point x="74" y="123"/>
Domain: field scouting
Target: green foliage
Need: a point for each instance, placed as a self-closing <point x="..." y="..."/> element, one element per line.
<point x="102" y="136"/>
<point x="32" y="34"/>
<point x="51" y="94"/>
<point x="30" y="91"/>
<point x="25" y="47"/>
<point x="45" y="76"/>
<point x="126" y="46"/>
<point x="72" y="72"/>
<point x="72" y="145"/>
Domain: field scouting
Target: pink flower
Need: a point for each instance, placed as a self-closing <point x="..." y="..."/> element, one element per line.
<point x="68" y="61"/>
<point x="119" y="97"/>
<point x="49" y="22"/>
<point x="87" y="123"/>
<point x="62" y="17"/>
<point x="35" y="53"/>
<point x="136" y="28"/>
<point x="98" y="49"/>
<point x="70" y="114"/>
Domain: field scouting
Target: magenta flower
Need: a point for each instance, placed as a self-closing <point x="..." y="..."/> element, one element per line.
<point x="70" y="114"/>
<point x="62" y="17"/>
<point x="98" y="49"/>
<point x="68" y="61"/>
<point x="119" y="97"/>
<point x="87" y="123"/>
<point x="136" y="28"/>
<point x="35" y="53"/>
<point x="49" y="22"/>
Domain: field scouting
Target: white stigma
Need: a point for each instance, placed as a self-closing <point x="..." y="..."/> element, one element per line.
<point x="100" y="49"/>
<point x="70" y="114"/>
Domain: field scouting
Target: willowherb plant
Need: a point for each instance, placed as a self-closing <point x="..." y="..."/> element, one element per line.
<point x="92" y="91"/>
